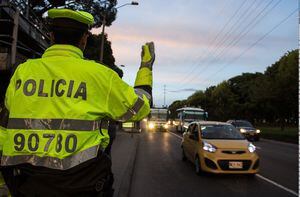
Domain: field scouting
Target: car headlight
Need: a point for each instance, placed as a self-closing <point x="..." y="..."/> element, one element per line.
<point x="166" y="126"/>
<point x="243" y="130"/>
<point x="209" y="147"/>
<point x="151" y="125"/>
<point x="257" y="131"/>
<point x="145" y="120"/>
<point x="251" y="148"/>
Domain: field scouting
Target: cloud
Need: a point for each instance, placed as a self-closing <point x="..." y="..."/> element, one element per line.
<point x="184" y="90"/>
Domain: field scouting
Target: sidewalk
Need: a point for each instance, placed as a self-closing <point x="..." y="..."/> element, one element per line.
<point x="123" y="159"/>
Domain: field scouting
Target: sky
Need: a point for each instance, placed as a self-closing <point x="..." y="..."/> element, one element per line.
<point x="200" y="43"/>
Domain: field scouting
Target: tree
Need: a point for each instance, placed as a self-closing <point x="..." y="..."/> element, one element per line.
<point x="98" y="9"/>
<point x="174" y="106"/>
<point x="92" y="52"/>
<point x="269" y="97"/>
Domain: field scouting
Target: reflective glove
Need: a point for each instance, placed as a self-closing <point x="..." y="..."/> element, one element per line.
<point x="147" y="55"/>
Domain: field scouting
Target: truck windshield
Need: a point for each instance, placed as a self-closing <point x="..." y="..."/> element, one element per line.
<point x="158" y="116"/>
<point x="193" y="115"/>
<point x="228" y="132"/>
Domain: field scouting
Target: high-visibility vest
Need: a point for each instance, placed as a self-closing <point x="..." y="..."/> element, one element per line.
<point x="59" y="105"/>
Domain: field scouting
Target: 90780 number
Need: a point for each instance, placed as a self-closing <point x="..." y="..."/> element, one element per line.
<point x="33" y="142"/>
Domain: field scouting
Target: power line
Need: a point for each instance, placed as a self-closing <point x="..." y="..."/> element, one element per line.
<point x="255" y="43"/>
<point x="214" y="40"/>
<point x="242" y="33"/>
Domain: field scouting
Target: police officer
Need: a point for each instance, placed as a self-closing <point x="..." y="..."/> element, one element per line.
<point x="57" y="104"/>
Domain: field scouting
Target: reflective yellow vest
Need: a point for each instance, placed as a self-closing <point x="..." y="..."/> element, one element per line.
<point x="57" y="105"/>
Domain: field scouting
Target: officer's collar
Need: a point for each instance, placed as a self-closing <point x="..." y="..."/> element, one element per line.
<point x="63" y="50"/>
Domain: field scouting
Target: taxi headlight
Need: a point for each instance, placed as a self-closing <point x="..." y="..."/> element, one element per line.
<point x="209" y="147"/>
<point x="151" y="125"/>
<point x="166" y="126"/>
<point x="243" y="130"/>
<point x="257" y="131"/>
<point x="251" y="148"/>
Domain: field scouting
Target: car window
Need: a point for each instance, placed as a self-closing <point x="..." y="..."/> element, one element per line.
<point x="195" y="132"/>
<point x="211" y="131"/>
<point x="243" y="124"/>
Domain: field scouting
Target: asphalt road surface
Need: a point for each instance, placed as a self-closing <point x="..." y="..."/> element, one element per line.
<point x="159" y="171"/>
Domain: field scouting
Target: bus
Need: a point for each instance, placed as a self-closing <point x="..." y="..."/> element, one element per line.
<point x="187" y="115"/>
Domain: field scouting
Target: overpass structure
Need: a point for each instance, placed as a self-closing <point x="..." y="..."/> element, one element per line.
<point x="22" y="35"/>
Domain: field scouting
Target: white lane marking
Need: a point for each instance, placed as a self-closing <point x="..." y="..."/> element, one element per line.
<point x="258" y="147"/>
<point x="260" y="176"/>
<point x="175" y="135"/>
<point x="277" y="184"/>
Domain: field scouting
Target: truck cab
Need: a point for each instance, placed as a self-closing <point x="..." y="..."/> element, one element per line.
<point x="187" y="115"/>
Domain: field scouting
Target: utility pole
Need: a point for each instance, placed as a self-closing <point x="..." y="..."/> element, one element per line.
<point x="164" y="95"/>
<point x="104" y="24"/>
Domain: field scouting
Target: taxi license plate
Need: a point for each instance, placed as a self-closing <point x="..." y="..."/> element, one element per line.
<point x="235" y="165"/>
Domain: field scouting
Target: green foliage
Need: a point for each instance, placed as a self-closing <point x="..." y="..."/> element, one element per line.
<point x="263" y="98"/>
<point x="98" y="9"/>
<point x="174" y="106"/>
<point x="92" y="52"/>
<point x="93" y="47"/>
<point x="290" y="134"/>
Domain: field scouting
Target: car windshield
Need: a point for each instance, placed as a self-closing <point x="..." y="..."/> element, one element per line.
<point x="242" y="124"/>
<point x="220" y="132"/>
<point x="194" y="115"/>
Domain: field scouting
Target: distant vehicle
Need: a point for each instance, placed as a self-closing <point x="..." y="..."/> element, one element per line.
<point x="218" y="147"/>
<point x="187" y="115"/>
<point x="158" y="119"/>
<point x="246" y="128"/>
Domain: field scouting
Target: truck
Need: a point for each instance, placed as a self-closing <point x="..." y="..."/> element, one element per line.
<point x="158" y="120"/>
<point x="187" y="115"/>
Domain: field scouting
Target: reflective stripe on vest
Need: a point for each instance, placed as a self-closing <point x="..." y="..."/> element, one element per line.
<point x="53" y="143"/>
<point x="56" y="124"/>
<point x="132" y="111"/>
<point x="142" y="92"/>
<point x="52" y="162"/>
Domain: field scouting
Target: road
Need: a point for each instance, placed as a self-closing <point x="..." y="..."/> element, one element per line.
<point x="159" y="171"/>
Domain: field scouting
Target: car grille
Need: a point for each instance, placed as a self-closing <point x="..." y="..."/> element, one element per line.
<point x="238" y="152"/>
<point x="224" y="165"/>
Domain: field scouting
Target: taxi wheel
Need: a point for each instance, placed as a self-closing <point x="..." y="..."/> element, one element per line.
<point x="183" y="155"/>
<point x="198" y="169"/>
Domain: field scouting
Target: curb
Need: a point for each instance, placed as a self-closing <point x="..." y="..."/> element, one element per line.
<point x="124" y="190"/>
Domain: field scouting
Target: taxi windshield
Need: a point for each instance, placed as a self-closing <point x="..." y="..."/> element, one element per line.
<point x="220" y="132"/>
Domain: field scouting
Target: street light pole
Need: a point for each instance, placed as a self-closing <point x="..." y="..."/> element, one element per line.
<point x="102" y="38"/>
<point x="103" y="27"/>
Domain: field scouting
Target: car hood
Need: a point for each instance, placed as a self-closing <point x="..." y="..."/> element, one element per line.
<point x="229" y="144"/>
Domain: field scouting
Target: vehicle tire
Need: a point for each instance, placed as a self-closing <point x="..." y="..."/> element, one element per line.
<point x="198" y="169"/>
<point x="183" y="155"/>
<point x="257" y="138"/>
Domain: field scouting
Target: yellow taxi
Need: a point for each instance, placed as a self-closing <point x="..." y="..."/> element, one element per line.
<point x="218" y="147"/>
